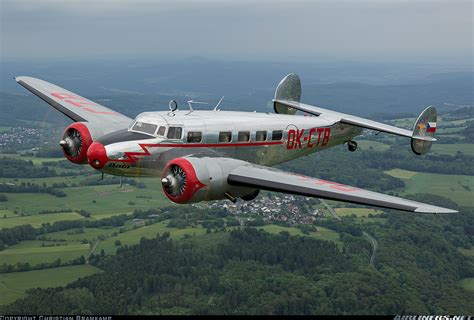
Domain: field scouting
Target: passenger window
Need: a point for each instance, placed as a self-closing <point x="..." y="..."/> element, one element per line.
<point x="194" y="136"/>
<point x="161" y="131"/>
<point x="225" y="136"/>
<point x="277" y="135"/>
<point x="175" y="132"/>
<point x="261" y="136"/>
<point x="243" y="136"/>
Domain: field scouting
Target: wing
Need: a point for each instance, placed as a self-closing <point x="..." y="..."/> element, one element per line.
<point x="75" y="107"/>
<point x="272" y="179"/>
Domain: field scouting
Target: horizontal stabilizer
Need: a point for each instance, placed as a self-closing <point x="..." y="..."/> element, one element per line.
<point x="287" y="101"/>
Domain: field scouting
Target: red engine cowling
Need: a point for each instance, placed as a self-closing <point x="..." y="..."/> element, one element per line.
<point x="76" y="141"/>
<point x="191" y="179"/>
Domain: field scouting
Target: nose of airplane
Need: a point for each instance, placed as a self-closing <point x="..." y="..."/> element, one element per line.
<point x="97" y="156"/>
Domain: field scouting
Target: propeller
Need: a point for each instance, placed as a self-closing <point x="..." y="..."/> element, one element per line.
<point x="175" y="182"/>
<point x="72" y="142"/>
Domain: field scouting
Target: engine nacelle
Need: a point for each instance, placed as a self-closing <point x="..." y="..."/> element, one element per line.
<point x="191" y="179"/>
<point x="76" y="140"/>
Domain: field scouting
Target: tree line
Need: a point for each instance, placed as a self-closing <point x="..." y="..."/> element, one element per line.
<point x="249" y="271"/>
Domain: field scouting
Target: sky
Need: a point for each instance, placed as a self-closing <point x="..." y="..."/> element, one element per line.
<point x="382" y="30"/>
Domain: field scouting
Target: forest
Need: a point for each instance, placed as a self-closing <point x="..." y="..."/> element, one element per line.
<point x="249" y="271"/>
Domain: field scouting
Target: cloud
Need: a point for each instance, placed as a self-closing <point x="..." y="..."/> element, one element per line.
<point x="236" y="29"/>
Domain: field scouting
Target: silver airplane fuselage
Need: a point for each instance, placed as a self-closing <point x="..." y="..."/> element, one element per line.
<point x="268" y="139"/>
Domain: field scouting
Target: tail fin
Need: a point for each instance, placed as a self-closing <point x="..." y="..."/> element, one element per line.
<point x="289" y="89"/>
<point x="424" y="131"/>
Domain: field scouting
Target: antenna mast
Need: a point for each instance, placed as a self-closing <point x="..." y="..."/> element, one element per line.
<point x="218" y="104"/>
<point x="190" y="104"/>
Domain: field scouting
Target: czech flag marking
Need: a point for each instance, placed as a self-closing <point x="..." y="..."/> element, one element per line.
<point x="431" y="127"/>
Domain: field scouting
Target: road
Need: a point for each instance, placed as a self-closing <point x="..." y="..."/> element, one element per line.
<point x="92" y="251"/>
<point x="371" y="239"/>
<point x="330" y="209"/>
<point x="374" y="244"/>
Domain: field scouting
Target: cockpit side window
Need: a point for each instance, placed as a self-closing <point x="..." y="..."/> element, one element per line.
<point x="144" y="127"/>
<point x="161" y="131"/>
<point x="175" y="132"/>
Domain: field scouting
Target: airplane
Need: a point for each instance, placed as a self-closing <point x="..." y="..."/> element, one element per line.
<point x="203" y="155"/>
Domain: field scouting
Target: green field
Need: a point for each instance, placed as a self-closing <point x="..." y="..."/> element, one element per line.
<point x="35" y="160"/>
<point x="101" y="200"/>
<point x="13" y="285"/>
<point x="400" y="173"/>
<point x="467" y="283"/>
<point x="112" y="199"/>
<point x="451" y="135"/>
<point x="444" y="130"/>
<point x="133" y="236"/>
<point x="32" y="244"/>
<point x="467" y="252"/>
<point x="48" y="181"/>
<point x="321" y="234"/>
<point x="4" y="213"/>
<point x="31" y="203"/>
<point x="275" y="229"/>
<point x="73" y="235"/>
<point x="457" y="122"/>
<point x="35" y="254"/>
<point x="109" y="199"/>
<point x="327" y="234"/>
<point x="359" y="212"/>
<point x="38" y="219"/>
<point x="453" y="149"/>
<point x="372" y="145"/>
<point x="403" y="122"/>
<point x="458" y="188"/>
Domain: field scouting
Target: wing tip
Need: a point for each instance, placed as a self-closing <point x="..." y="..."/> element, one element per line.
<point x="436" y="210"/>
<point x="25" y="78"/>
<point x="20" y="78"/>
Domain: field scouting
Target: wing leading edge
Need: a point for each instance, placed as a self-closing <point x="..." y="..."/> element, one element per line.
<point x="277" y="180"/>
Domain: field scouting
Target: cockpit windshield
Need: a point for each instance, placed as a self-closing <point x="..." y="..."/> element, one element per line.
<point x="145" y="127"/>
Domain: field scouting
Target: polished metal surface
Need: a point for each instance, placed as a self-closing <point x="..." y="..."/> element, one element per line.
<point x="151" y="155"/>
<point x="228" y="154"/>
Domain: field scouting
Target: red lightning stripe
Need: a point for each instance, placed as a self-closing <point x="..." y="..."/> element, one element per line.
<point x="133" y="156"/>
<point x="80" y="102"/>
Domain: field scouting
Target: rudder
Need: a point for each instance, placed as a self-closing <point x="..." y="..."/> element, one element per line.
<point x="288" y="89"/>
<point x="424" y="131"/>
